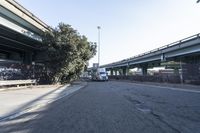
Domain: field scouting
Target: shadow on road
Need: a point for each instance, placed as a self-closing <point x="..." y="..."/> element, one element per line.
<point x="28" y="105"/>
<point x="27" y="121"/>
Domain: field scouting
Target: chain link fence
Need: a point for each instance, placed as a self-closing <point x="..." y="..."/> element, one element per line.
<point x="189" y="74"/>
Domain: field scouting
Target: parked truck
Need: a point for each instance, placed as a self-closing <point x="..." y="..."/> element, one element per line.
<point x="99" y="74"/>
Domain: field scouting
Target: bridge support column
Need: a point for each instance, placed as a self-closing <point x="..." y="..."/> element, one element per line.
<point x="125" y="71"/>
<point x="120" y="71"/>
<point x="115" y="72"/>
<point x="28" y="58"/>
<point x="144" y="70"/>
<point x="111" y="72"/>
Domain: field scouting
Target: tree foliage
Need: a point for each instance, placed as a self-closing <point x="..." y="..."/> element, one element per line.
<point x="68" y="53"/>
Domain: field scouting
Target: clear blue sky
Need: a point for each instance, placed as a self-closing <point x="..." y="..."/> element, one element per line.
<point x="129" y="27"/>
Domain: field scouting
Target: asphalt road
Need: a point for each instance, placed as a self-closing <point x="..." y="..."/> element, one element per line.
<point x="114" y="107"/>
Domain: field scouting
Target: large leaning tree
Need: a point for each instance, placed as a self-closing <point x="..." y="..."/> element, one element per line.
<point x="68" y="53"/>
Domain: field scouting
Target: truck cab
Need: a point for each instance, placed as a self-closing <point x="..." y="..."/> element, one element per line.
<point x="99" y="74"/>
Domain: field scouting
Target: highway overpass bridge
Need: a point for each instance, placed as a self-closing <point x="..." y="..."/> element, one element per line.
<point x="20" y="33"/>
<point x="184" y="53"/>
<point x="21" y="55"/>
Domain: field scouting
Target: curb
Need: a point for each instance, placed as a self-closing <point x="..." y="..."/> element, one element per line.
<point x="22" y="88"/>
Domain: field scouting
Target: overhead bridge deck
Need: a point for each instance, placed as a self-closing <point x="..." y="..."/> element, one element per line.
<point x="185" y="47"/>
<point x="20" y="33"/>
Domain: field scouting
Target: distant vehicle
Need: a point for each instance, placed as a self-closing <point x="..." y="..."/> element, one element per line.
<point x="89" y="77"/>
<point x="99" y="74"/>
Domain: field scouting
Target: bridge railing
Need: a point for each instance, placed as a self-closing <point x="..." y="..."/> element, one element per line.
<point x="168" y="45"/>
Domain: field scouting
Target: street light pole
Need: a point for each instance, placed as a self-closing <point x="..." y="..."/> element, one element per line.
<point x="98" y="27"/>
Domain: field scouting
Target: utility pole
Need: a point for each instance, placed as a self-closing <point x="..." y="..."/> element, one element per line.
<point x="99" y="28"/>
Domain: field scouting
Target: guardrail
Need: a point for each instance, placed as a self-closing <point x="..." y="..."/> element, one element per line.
<point x="17" y="82"/>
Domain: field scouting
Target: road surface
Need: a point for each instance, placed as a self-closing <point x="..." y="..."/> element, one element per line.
<point x="114" y="107"/>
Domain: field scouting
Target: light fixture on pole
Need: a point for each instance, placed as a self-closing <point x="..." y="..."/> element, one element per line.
<point x="99" y="28"/>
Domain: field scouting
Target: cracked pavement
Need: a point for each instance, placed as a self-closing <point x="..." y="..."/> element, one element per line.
<point x="114" y="107"/>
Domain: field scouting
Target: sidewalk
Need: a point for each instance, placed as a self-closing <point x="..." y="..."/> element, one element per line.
<point x="17" y="101"/>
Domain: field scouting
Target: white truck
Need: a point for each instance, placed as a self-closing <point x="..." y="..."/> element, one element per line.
<point x="99" y="74"/>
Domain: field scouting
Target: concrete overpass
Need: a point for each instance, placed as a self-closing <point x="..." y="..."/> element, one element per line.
<point x="20" y="33"/>
<point x="185" y="51"/>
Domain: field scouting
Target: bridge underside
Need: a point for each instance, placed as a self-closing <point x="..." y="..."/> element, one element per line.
<point x="17" y="47"/>
<point x="19" y="55"/>
<point x="185" y="68"/>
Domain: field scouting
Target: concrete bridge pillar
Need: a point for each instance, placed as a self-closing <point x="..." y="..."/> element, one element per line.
<point x="111" y="72"/>
<point x="120" y="72"/>
<point x="115" y="72"/>
<point x="28" y="58"/>
<point x="144" y="70"/>
<point x="125" y="71"/>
